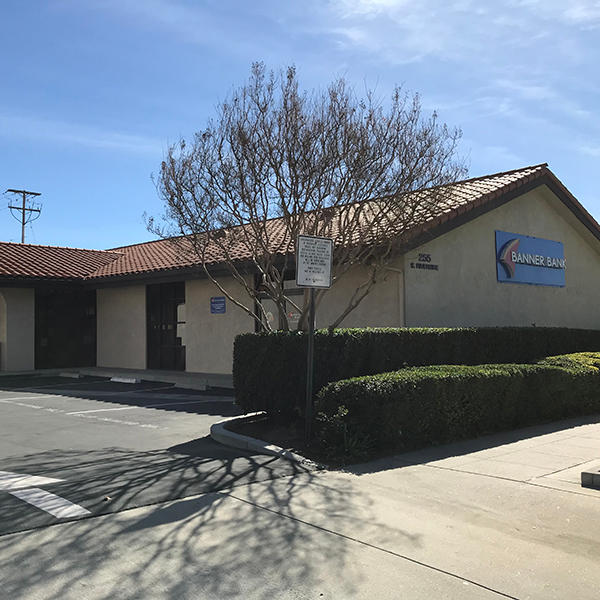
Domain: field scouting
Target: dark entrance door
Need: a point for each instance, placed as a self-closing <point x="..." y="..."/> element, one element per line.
<point x="165" y="303"/>
<point x="65" y="328"/>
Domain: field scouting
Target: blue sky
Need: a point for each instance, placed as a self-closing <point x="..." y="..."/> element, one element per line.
<point x="94" y="91"/>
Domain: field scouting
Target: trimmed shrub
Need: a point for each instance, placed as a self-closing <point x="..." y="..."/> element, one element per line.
<point x="269" y="369"/>
<point x="431" y="405"/>
<point x="580" y="360"/>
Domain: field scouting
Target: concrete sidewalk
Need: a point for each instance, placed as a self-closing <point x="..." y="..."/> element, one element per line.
<point x="499" y="517"/>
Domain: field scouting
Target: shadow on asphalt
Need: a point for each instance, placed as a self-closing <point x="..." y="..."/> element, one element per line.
<point x="212" y="546"/>
<point x="460" y="448"/>
<point x="115" y="479"/>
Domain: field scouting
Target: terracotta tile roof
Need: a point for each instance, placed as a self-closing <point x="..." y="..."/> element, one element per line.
<point x="160" y="255"/>
<point x="449" y="203"/>
<point x="28" y="261"/>
<point x="450" y="200"/>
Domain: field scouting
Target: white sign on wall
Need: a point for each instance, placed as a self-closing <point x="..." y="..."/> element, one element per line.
<point x="314" y="256"/>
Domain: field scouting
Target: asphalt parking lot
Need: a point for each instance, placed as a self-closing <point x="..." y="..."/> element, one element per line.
<point x="72" y="449"/>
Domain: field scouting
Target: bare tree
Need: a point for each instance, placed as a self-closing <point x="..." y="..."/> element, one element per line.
<point x="277" y="162"/>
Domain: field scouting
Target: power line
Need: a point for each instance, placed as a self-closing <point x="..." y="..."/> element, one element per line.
<point x="27" y="214"/>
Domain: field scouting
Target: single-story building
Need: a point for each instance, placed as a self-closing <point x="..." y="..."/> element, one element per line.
<point x="513" y="248"/>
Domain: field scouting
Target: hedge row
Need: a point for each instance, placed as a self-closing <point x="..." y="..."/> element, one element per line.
<point x="429" y="405"/>
<point x="269" y="370"/>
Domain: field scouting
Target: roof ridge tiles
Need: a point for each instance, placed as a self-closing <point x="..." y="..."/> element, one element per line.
<point x="21" y="245"/>
<point x="491" y="176"/>
<point x="165" y="239"/>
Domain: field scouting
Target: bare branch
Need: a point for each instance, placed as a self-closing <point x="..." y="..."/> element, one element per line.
<point x="277" y="162"/>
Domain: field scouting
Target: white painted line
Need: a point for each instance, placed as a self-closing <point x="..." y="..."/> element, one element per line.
<point x="55" y="505"/>
<point x="71" y="375"/>
<point x="55" y="386"/>
<point x="37" y="406"/>
<point x="33" y="396"/>
<point x="83" y="415"/>
<point x="96" y="410"/>
<point x="14" y="481"/>
<point x="119" y="422"/>
<point x="185" y="402"/>
<point x="85" y="412"/>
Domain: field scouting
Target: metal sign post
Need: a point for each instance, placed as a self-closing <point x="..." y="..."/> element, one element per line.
<point x="314" y="257"/>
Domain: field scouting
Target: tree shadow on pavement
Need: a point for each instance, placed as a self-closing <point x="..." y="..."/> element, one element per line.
<point x="115" y="479"/>
<point x="243" y="541"/>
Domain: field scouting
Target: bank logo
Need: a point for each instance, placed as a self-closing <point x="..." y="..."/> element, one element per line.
<point x="507" y="254"/>
<point x="528" y="259"/>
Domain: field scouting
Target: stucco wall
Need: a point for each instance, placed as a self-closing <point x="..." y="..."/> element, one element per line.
<point x="17" y="330"/>
<point x="382" y="307"/>
<point x="121" y="327"/>
<point x="465" y="291"/>
<point x="208" y="338"/>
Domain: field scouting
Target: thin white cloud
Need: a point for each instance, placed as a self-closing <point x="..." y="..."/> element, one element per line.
<point x="39" y="129"/>
<point x="402" y="31"/>
<point x="590" y="150"/>
<point x="499" y="158"/>
<point x="188" y="22"/>
<point x="370" y="7"/>
<point x="399" y="31"/>
<point x="527" y="90"/>
<point x="544" y="95"/>
<point x="580" y="13"/>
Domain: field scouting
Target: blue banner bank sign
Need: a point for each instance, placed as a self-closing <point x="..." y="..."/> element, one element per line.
<point x="525" y="259"/>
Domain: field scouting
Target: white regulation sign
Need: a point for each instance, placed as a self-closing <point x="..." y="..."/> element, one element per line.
<point x="313" y="261"/>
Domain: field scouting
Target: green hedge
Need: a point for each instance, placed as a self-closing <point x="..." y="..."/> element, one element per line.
<point x="429" y="405"/>
<point x="269" y="370"/>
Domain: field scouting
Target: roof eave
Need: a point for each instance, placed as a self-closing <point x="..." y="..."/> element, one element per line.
<point x="486" y="203"/>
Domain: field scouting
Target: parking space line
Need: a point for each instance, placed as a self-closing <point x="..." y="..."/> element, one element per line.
<point x="161" y="405"/>
<point x="56" y="386"/>
<point x="16" y="403"/>
<point x="188" y="402"/>
<point x="14" y="481"/>
<point x="60" y="386"/>
<point x="96" y="410"/>
<point x="120" y="422"/>
<point x="55" y="505"/>
<point x="10" y="399"/>
<point x="83" y="415"/>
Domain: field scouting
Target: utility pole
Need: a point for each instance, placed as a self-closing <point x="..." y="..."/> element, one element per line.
<point x="27" y="214"/>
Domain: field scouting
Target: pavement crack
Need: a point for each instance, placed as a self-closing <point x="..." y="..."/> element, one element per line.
<point x="375" y="547"/>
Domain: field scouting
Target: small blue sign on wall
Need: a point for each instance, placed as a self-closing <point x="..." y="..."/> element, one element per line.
<point x="217" y="305"/>
<point x="526" y="259"/>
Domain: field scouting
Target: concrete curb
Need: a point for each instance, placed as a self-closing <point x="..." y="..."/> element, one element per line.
<point x="224" y="436"/>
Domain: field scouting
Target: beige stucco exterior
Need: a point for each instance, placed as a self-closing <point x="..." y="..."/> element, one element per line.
<point x="382" y="307"/>
<point x="465" y="291"/>
<point x="208" y="338"/>
<point x="17" y="329"/>
<point x="121" y="327"/>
